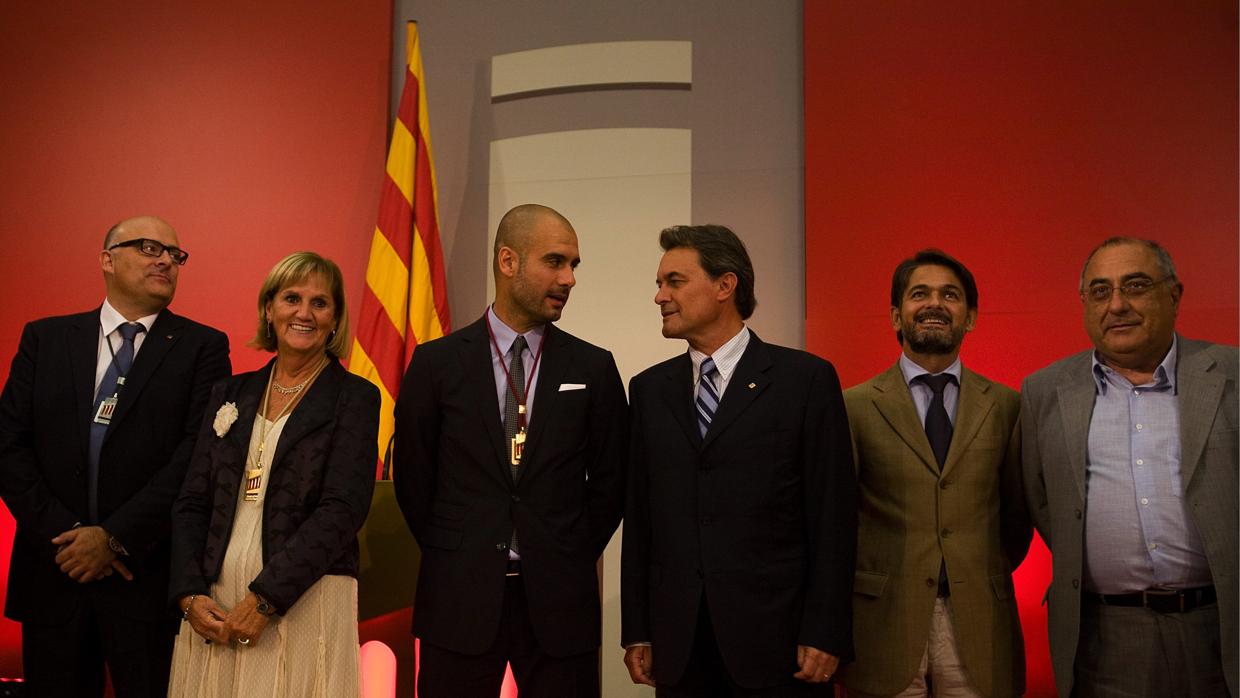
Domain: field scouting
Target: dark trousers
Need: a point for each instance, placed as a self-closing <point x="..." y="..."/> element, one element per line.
<point x="443" y="673"/>
<point x="1138" y="653"/>
<point x="68" y="660"/>
<point x="706" y="676"/>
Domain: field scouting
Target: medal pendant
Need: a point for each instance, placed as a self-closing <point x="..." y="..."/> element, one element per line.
<point x="517" y="447"/>
<point x="253" y="479"/>
<point x="103" y="415"/>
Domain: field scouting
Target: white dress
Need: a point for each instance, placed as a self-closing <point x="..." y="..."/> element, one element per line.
<point x="309" y="652"/>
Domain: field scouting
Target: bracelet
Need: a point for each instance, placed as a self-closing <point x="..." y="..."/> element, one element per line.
<point x="188" y="605"/>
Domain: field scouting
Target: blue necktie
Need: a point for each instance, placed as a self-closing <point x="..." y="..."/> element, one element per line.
<point x="707" y="398"/>
<point x="119" y="366"/>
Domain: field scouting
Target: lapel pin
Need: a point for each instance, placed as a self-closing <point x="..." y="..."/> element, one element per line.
<point x="752" y="386"/>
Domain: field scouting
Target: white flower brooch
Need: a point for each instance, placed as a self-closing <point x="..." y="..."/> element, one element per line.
<point x="224" y="418"/>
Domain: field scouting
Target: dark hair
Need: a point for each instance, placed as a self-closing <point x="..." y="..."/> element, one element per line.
<point x="904" y="271"/>
<point x="1161" y="256"/>
<point x="719" y="252"/>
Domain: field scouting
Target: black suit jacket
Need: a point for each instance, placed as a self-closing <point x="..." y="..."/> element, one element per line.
<point x="322" y="479"/>
<point x="758" y="519"/>
<point x="454" y="485"/>
<point x="45" y="416"/>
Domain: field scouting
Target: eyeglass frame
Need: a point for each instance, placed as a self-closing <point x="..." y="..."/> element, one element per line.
<point x="140" y="243"/>
<point x="1132" y="288"/>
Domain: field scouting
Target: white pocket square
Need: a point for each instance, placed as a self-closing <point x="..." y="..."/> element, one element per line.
<point x="572" y="386"/>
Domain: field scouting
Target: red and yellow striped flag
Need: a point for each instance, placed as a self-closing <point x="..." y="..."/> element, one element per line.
<point x="405" y="300"/>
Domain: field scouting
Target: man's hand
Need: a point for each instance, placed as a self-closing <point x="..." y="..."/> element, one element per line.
<point x="244" y="623"/>
<point x="84" y="555"/>
<point x="205" y="616"/>
<point x="816" y="666"/>
<point x="640" y="661"/>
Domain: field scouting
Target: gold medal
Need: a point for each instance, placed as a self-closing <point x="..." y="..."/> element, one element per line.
<point x="253" y="482"/>
<point x="517" y="447"/>
<point x="106" y="407"/>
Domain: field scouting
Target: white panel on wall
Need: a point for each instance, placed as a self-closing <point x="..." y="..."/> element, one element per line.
<point x="619" y="188"/>
<point x="644" y="63"/>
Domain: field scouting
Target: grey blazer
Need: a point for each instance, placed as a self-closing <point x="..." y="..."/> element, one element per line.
<point x="1056" y="405"/>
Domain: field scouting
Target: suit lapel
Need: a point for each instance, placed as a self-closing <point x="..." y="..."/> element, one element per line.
<point x="895" y="403"/>
<point x="1199" y="390"/>
<point x="972" y="408"/>
<point x="479" y="374"/>
<point x="233" y="452"/>
<point x="552" y="366"/>
<point x="317" y="408"/>
<point x="1076" y="393"/>
<point x="748" y="381"/>
<point x="677" y="394"/>
<point x="84" y="361"/>
<point x="159" y="340"/>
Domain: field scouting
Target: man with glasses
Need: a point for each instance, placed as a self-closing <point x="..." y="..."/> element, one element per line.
<point x="97" y="422"/>
<point x="1129" y="454"/>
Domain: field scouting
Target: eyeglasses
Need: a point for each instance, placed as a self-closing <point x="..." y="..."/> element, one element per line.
<point x="1133" y="288"/>
<point x="154" y="248"/>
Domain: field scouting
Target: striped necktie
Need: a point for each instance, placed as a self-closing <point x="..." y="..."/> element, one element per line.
<point x="707" y="397"/>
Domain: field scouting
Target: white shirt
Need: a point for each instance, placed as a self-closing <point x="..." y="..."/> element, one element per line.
<point x="109" y="320"/>
<point x="726" y="357"/>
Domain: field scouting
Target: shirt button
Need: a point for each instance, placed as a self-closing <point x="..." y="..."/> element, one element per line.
<point x="1137" y="393"/>
<point x="1140" y="427"/>
<point x="1145" y="500"/>
<point x="930" y="582"/>
<point x="501" y="546"/>
<point x="1153" y="546"/>
<point x="1140" y="461"/>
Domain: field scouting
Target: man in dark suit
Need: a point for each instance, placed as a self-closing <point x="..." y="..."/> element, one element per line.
<point x="511" y="441"/>
<point x="1130" y="453"/>
<point x="740" y="523"/>
<point x="97" y="422"/>
<point x="942" y="516"/>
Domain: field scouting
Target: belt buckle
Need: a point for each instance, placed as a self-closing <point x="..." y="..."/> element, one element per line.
<point x="1148" y="594"/>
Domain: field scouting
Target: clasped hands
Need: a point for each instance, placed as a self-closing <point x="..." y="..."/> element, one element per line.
<point x="815" y="665"/>
<point x="84" y="555"/>
<point x="214" y="623"/>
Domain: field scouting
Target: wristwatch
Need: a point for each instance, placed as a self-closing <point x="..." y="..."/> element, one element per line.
<point x="115" y="546"/>
<point x="264" y="607"/>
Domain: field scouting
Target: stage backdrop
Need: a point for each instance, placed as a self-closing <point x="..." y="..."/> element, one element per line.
<point x="1015" y="136"/>
<point x="256" y="129"/>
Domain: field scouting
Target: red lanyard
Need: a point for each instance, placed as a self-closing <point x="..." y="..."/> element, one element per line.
<point x="520" y="397"/>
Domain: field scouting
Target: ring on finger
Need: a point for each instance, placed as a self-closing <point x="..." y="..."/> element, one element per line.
<point x="243" y="640"/>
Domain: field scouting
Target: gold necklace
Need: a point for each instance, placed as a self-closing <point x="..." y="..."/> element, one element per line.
<point x="254" y="473"/>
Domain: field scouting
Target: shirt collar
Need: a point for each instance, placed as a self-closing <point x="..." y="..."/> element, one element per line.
<point x="110" y="318"/>
<point x="1164" y="375"/>
<point x="726" y="357"/>
<point x="505" y="335"/>
<point x="912" y="370"/>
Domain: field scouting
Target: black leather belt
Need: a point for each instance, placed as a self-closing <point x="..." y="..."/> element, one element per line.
<point x="514" y="569"/>
<point x="1160" y="600"/>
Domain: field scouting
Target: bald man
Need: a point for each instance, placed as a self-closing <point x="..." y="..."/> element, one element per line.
<point x="97" y="422"/>
<point x="511" y="439"/>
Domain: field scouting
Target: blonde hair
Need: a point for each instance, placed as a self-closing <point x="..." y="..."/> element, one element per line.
<point x="295" y="269"/>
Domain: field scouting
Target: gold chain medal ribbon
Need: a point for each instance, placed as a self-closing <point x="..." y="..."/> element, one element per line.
<point x="516" y="445"/>
<point x="254" y="473"/>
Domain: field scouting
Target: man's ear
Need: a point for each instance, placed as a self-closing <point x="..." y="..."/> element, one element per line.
<point x="508" y="261"/>
<point x="105" y="262"/>
<point x="725" y="286"/>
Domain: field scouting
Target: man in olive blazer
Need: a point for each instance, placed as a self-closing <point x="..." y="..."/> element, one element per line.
<point x="922" y="513"/>
<point x="1104" y="638"/>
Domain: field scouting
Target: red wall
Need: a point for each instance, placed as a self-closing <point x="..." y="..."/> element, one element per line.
<point x="255" y="128"/>
<point x="1016" y="136"/>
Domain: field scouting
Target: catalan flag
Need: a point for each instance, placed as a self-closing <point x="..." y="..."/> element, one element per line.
<point x="405" y="300"/>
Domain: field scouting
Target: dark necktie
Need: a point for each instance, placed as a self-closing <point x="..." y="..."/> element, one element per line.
<point x="707" y="399"/>
<point x="118" y="367"/>
<point x="513" y="398"/>
<point x="939" y="432"/>
<point x="938" y="425"/>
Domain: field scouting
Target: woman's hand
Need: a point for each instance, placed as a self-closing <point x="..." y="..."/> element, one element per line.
<point x="244" y="623"/>
<point x="205" y="617"/>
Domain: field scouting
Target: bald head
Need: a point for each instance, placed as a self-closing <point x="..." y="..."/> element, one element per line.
<point x="116" y="232"/>
<point x="516" y="229"/>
